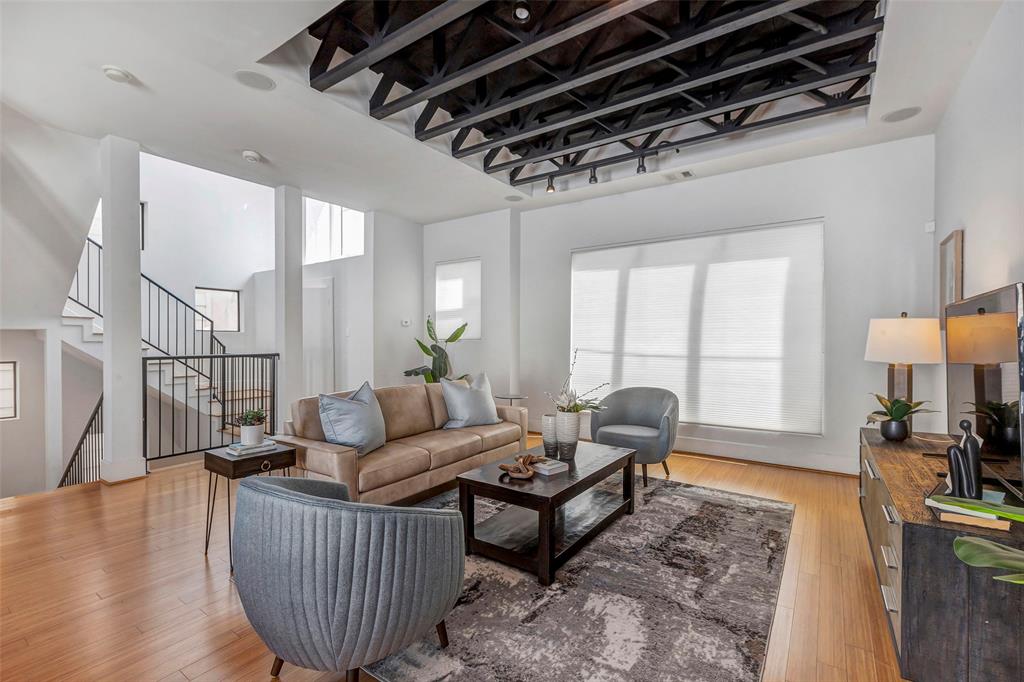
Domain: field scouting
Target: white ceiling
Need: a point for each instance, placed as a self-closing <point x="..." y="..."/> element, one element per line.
<point x="187" y="105"/>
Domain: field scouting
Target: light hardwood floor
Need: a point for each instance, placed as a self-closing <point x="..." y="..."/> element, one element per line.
<point x="110" y="583"/>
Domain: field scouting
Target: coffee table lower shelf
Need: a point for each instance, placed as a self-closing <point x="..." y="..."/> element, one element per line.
<point x="513" y="536"/>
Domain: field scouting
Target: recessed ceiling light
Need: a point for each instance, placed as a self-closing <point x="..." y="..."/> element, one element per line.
<point x="256" y="81"/>
<point x="513" y="197"/>
<point x="117" y="74"/>
<point x="251" y="156"/>
<point x="901" y="114"/>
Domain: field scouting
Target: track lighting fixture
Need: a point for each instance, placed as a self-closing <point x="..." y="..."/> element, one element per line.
<point x="593" y="176"/>
<point x="640" y="167"/>
<point x="521" y="11"/>
<point x="551" y="184"/>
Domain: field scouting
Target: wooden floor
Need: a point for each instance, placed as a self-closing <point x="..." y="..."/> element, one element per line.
<point x="110" y="583"/>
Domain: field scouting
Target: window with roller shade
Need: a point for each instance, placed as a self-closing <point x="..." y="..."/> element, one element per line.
<point x="731" y="322"/>
<point x="457" y="297"/>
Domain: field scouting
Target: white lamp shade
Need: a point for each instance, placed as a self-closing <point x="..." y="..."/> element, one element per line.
<point x="904" y="341"/>
<point x="982" y="339"/>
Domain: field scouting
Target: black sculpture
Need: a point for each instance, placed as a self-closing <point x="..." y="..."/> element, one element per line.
<point x="965" y="466"/>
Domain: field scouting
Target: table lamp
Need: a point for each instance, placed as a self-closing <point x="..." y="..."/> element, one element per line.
<point x="902" y="343"/>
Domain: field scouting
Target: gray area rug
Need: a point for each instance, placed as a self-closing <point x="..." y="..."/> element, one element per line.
<point x="684" y="589"/>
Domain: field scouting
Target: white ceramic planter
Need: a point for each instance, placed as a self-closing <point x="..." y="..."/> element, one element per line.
<point x="547" y="431"/>
<point x="567" y="430"/>
<point x="252" y="435"/>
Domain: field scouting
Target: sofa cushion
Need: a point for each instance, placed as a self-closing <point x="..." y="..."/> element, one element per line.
<point x="495" y="435"/>
<point x="390" y="463"/>
<point x="435" y="395"/>
<point x="355" y="421"/>
<point x="471" y="405"/>
<point x="406" y="410"/>
<point x="445" y="446"/>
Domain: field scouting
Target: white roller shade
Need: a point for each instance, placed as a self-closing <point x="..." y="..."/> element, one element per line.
<point x="730" y="322"/>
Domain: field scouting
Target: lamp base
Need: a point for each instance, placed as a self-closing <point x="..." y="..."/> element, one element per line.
<point x="901" y="385"/>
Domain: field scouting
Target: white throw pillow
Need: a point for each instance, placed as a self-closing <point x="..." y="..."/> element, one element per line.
<point x="470" y="405"/>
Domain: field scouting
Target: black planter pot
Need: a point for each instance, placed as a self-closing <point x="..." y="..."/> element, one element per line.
<point x="894" y="431"/>
<point x="1011" y="435"/>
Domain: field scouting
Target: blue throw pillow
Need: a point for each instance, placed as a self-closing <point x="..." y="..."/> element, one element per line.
<point x="355" y="421"/>
<point x="469" y="405"/>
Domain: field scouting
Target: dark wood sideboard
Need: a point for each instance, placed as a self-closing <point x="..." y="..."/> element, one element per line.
<point x="948" y="621"/>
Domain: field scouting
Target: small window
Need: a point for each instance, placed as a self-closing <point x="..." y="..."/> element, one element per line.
<point x="331" y="232"/>
<point x="457" y="297"/>
<point x="221" y="306"/>
<point x="8" y="389"/>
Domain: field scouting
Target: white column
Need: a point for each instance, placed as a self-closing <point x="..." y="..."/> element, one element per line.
<point x="53" y="400"/>
<point x="288" y="297"/>
<point x="122" y="312"/>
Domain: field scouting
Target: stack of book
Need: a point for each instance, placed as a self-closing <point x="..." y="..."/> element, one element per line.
<point x="549" y="467"/>
<point x="240" y="450"/>
<point x="970" y="517"/>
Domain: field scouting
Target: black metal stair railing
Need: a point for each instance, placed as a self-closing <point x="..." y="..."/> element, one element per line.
<point x="84" y="465"/>
<point x="184" y="413"/>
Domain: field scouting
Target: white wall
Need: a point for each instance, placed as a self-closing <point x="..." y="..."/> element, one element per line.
<point x="22" y="440"/>
<point x="49" y="192"/>
<point x="204" y="229"/>
<point x="979" y="158"/>
<point x="397" y="248"/>
<point x="878" y="262"/>
<point x="493" y="238"/>
<point x="81" y="386"/>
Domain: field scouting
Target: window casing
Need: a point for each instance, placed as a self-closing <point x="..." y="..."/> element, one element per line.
<point x="457" y="297"/>
<point x="223" y="306"/>
<point x="331" y="231"/>
<point x="731" y="322"/>
<point x="9" y="390"/>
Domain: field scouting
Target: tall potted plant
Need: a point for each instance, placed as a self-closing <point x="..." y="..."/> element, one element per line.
<point x="440" y="363"/>
<point x="569" y="404"/>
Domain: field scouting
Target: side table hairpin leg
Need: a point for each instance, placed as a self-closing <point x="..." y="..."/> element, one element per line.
<point x="211" y="503"/>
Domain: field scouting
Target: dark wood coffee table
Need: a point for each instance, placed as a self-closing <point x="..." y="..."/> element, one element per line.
<point x="549" y="518"/>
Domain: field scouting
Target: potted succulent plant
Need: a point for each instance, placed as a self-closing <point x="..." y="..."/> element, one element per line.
<point x="568" y="405"/>
<point x="251" y="424"/>
<point x="892" y="418"/>
<point x="1004" y="418"/>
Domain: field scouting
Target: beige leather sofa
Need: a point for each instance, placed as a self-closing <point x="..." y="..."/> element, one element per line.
<point x="419" y="454"/>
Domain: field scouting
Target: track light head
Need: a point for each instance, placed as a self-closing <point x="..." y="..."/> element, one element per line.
<point x="551" y="184"/>
<point x="521" y="11"/>
<point x="640" y="167"/>
<point x="593" y="176"/>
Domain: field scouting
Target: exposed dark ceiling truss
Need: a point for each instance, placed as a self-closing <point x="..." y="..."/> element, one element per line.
<point x="583" y="85"/>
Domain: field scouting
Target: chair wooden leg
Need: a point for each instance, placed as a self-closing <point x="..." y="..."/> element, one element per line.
<point x="643" y="468"/>
<point x="275" y="669"/>
<point x="442" y="634"/>
<point x="352" y="675"/>
<point x="664" y="463"/>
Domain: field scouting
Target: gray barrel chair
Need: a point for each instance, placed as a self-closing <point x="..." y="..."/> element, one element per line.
<point x="334" y="585"/>
<point x="645" y="419"/>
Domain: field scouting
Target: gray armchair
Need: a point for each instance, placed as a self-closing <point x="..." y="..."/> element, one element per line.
<point x="335" y="585"/>
<point x="645" y="419"/>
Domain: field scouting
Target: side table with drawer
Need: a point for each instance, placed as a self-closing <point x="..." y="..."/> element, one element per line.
<point x="221" y="463"/>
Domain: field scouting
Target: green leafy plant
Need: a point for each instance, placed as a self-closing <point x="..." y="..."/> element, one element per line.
<point x="1005" y="511"/>
<point x="251" y="418"/>
<point x="896" y="410"/>
<point x="1002" y="415"/>
<point x="568" y="401"/>
<point x="983" y="553"/>
<point x="437" y="351"/>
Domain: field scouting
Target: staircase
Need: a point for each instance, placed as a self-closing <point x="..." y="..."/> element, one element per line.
<point x="193" y="388"/>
